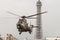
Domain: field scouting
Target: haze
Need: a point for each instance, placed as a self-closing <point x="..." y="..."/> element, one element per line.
<point x="50" y="20"/>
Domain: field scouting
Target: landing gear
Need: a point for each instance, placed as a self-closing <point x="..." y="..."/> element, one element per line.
<point x="20" y="32"/>
<point x="30" y="32"/>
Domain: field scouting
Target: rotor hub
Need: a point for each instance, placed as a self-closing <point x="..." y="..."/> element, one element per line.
<point x="23" y="17"/>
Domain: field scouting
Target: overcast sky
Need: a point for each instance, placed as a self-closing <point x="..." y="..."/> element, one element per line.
<point x="50" y="20"/>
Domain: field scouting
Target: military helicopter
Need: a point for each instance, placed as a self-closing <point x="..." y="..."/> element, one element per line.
<point x="22" y="24"/>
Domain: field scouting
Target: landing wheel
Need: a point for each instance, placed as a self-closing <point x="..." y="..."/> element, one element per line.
<point x="30" y="32"/>
<point x="20" y="32"/>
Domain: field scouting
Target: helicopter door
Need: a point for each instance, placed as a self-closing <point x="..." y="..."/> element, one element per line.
<point x="24" y="23"/>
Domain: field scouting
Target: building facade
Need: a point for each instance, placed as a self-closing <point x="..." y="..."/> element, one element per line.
<point x="53" y="38"/>
<point x="10" y="37"/>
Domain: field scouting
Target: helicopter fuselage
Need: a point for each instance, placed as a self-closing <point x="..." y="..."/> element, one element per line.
<point x="22" y="26"/>
<point x="22" y="29"/>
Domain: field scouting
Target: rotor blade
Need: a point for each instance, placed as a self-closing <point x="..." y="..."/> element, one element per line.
<point x="32" y="18"/>
<point x="13" y="14"/>
<point x="36" y="14"/>
<point x="9" y="17"/>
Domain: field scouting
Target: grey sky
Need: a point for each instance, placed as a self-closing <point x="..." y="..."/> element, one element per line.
<point x="50" y="20"/>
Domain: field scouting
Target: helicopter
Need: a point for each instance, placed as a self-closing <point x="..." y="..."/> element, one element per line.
<point x="22" y="24"/>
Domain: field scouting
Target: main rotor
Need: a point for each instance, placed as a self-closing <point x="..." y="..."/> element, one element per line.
<point x="28" y="17"/>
